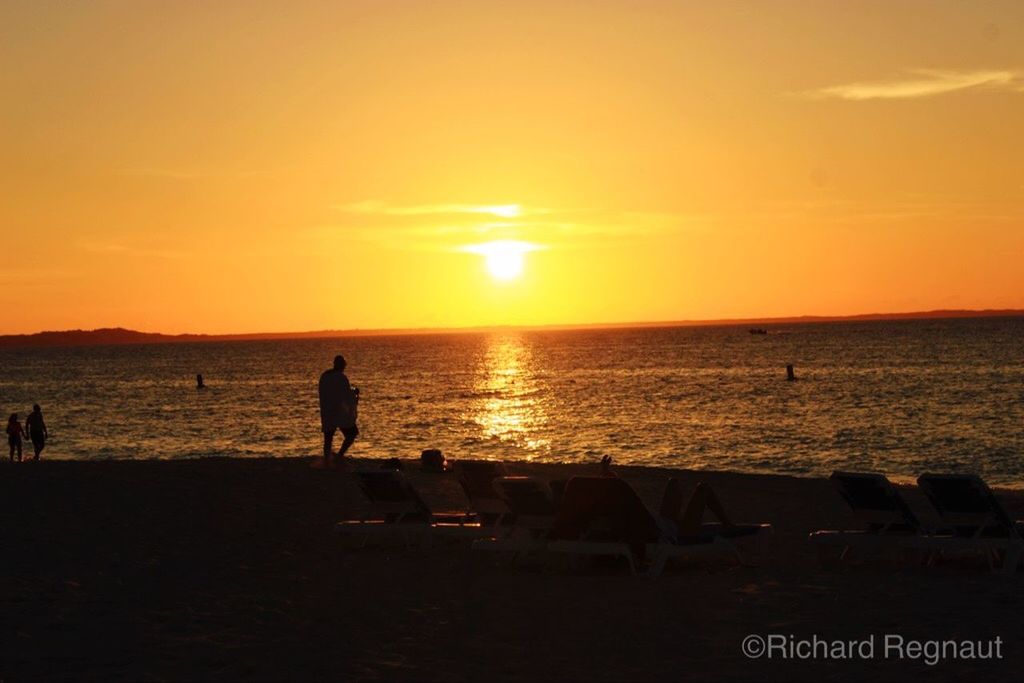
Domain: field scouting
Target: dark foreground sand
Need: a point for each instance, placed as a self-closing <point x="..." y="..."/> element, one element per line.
<point x="228" y="569"/>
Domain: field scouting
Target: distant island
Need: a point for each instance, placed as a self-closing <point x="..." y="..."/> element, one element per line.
<point x="113" y="336"/>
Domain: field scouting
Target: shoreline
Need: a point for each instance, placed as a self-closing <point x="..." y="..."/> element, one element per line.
<point x="229" y="568"/>
<point x="412" y="464"/>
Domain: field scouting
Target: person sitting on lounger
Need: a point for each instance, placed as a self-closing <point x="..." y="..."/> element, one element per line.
<point x="688" y="518"/>
<point x="604" y="509"/>
<point x="679" y="517"/>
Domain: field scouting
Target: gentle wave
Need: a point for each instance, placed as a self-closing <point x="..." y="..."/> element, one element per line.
<point x="900" y="397"/>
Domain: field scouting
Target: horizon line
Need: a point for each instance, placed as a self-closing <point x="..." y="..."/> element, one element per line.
<point x="400" y="331"/>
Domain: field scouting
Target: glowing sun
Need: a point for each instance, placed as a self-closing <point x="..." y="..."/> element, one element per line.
<point x="503" y="258"/>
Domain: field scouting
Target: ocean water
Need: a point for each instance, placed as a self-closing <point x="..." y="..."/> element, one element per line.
<point x="898" y="397"/>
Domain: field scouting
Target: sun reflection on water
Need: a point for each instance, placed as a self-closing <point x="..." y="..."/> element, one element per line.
<point x="511" y="405"/>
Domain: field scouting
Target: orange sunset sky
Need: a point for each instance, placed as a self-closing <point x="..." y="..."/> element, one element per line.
<point x="284" y="166"/>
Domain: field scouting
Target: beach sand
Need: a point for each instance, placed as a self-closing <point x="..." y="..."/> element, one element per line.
<point x="228" y="569"/>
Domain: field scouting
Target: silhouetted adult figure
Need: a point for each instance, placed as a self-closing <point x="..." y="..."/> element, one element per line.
<point x="36" y="428"/>
<point x="14" y="435"/>
<point x="199" y="382"/>
<point x="338" y="403"/>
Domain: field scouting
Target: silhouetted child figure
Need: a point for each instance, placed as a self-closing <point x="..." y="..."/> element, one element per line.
<point x="36" y="428"/>
<point x="14" y="435"/>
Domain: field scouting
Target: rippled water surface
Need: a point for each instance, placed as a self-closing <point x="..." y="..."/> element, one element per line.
<point x="901" y="397"/>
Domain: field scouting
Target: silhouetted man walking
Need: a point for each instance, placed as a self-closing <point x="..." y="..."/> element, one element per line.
<point x="338" y="402"/>
<point x="36" y="428"/>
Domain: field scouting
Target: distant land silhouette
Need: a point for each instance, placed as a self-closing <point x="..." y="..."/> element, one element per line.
<point x="112" y="336"/>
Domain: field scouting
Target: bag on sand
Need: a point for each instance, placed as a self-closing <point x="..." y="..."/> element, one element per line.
<point x="432" y="460"/>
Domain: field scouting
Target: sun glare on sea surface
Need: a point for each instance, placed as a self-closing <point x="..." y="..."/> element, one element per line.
<point x="503" y="258"/>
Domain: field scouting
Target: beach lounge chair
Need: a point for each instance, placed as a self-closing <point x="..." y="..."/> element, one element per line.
<point x="746" y="542"/>
<point x="604" y="517"/>
<point x="887" y="521"/>
<point x="396" y="509"/>
<point x="477" y="479"/>
<point x="531" y="507"/>
<point x="977" y="521"/>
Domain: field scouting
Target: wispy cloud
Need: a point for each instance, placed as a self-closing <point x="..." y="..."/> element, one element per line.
<point x="502" y="247"/>
<point x="923" y="83"/>
<point x="911" y="209"/>
<point x="443" y="226"/>
<point x="191" y="174"/>
<point x="458" y="227"/>
<point x="120" y="248"/>
<point x="383" y="209"/>
<point x="30" y="277"/>
<point x="173" y="174"/>
<point x="104" y="247"/>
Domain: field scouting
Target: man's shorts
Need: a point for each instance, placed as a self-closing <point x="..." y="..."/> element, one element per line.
<point x="347" y="432"/>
